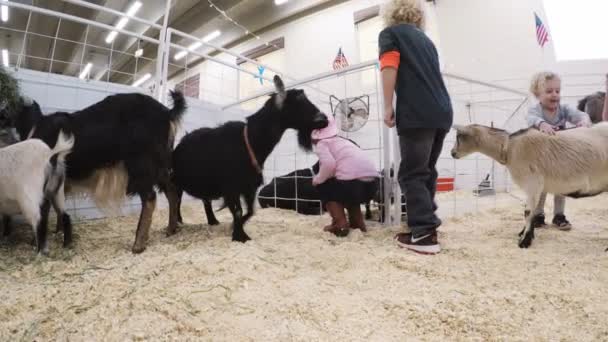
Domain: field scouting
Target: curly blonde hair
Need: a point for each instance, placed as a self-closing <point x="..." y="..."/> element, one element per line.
<point x="403" y="12"/>
<point x="539" y="79"/>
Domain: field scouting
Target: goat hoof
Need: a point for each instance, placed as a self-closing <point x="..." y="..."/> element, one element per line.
<point x="214" y="223"/>
<point x="138" y="249"/>
<point x="526" y="241"/>
<point x="68" y="245"/>
<point x="171" y="231"/>
<point x="242" y="238"/>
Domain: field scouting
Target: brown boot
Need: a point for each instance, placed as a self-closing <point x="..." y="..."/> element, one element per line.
<point x="355" y="217"/>
<point x="339" y="225"/>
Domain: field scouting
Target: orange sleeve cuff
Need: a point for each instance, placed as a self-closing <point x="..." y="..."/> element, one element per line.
<point x="390" y="59"/>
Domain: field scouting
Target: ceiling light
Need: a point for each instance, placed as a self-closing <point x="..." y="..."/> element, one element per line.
<point x="280" y="2"/>
<point x="4" y="10"/>
<point x="140" y="81"/>
<point x="124" y="20"/>
<point x="122" y="23"/>
<point x="139" y="52"/>
<point x="180" y="55"/>
<point x="134" y="8"/>
<point x="211" y="36"/>
<point x="5" y="57"/>
<point x="111" y="37"/>
<point x="85" y="71"/>
<point x="183" y="53"/>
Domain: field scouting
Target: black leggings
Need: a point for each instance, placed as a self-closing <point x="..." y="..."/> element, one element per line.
<point x="347" y="192"/>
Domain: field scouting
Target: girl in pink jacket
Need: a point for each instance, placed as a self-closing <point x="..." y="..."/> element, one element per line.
<point x="346" y="179"/>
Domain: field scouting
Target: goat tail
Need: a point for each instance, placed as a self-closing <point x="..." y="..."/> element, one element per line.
<point x="55" y="176"/>
<point x="179" y="106"/>
<point x="64" y="145"/>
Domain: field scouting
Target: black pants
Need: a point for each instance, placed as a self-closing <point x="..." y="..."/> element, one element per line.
<point x="347" y="192"/>
<point x="420" y="149"/>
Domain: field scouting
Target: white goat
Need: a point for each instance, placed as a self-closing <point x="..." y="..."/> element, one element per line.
<point x="31" y="177"/>
<point x="573" y="163"/>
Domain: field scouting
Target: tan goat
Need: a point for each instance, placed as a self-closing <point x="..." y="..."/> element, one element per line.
<point x="573" y="163"/>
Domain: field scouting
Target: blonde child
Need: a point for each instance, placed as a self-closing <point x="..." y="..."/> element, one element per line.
<point x="549" y="116"/>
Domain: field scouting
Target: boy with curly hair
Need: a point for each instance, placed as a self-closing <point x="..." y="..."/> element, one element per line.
<point x="409" y="64"/>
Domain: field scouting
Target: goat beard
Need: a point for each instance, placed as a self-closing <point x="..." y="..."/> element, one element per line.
<point x="304" y="139"/>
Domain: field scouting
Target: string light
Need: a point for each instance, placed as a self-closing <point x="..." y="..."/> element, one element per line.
<point x="245" y="30"/>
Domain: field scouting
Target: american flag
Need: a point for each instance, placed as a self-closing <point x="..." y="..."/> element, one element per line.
<point x="542" y="36"/>
<point x="340" y="60"/>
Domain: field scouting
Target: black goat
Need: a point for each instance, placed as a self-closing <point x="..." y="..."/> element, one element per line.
<point x="226" y="161"/>
<point x="593" y="105"/>
<point x="123" y="147"/>
<point x="280" y="192"/>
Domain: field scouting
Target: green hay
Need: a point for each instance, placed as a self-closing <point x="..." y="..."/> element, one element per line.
<point x="9" y="92"/>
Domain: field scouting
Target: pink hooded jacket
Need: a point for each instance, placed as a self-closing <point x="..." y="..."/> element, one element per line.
<point x="339" y="157"/>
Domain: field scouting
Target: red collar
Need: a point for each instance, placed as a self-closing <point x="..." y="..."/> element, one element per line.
<point x="254" y="160"/>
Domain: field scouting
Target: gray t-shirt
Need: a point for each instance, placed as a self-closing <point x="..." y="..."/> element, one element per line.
<point x="565" y="113"/>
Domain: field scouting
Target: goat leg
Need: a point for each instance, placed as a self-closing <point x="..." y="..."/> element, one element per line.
<point x="6" y="223"/>
<point x="42" y="227"/>
<point x="211" y="219"/>
<point x="249" y="200"/>
<point x="148" y="203"/>
<point x="174" y="197"/>
<point x="368" y="212"/>
<point x="527" y="234"/>
<point x="64" y="221"/>
<point x="180" y="193"/>
<point x="238" y="234"/>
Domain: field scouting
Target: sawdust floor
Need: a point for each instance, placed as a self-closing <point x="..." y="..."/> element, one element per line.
<point x="294" y="282"/>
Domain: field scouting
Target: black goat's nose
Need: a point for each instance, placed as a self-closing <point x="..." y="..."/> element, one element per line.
<point x="321" y="120"/>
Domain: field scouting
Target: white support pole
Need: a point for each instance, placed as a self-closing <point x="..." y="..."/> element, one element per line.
<point x="162" y="62"/>
<point x="386" y="144"/>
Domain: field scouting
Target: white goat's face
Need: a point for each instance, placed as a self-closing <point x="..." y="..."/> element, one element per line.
<point x="467" y="140"/>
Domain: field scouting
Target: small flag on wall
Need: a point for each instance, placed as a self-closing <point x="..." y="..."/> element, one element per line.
<point x="260" y="74"/>
<point x="340" y="60"/>
<point x="542" y="35"/>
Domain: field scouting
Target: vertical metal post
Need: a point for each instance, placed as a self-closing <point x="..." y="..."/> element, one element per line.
<point x="84" y="50"/>
<point x="160" y="84"/>
<point x="386" y="143"/>
<point x="22" y="54"/>
<point x="54" y="45"/>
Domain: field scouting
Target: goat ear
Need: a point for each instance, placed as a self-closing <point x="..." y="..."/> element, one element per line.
<point x="462" y="129"/>
<point x="280" y="88"/>
<point x="27" y="101"/>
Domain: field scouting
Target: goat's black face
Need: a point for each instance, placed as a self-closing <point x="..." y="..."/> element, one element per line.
<point x="297" y="112"/>
<point x="5" y="119"/>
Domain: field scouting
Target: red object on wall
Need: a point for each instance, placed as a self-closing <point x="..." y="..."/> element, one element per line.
<point x="445" y="184"/>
